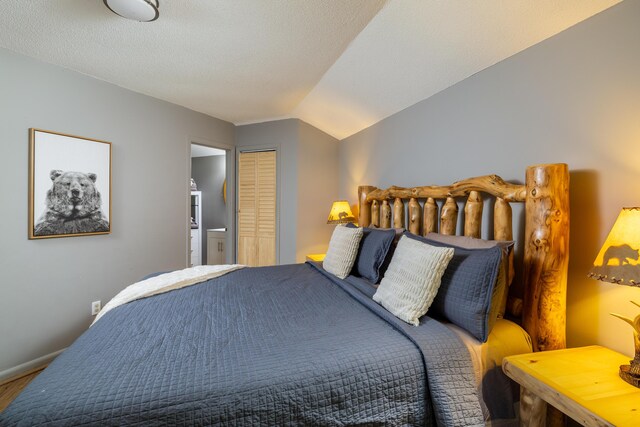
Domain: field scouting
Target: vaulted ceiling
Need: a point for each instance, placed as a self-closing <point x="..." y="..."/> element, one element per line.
<point x="340" y="65"/>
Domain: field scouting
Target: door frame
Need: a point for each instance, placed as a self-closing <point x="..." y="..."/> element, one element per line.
<point x="252" y="149"/>
<point x="230" y="174"/>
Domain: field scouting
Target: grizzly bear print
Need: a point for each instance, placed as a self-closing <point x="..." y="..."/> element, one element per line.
<point x="622" y="253"/>
<point x="73" y="205"/>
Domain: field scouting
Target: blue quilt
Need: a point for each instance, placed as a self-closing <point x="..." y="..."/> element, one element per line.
<point x="285" y="345"/>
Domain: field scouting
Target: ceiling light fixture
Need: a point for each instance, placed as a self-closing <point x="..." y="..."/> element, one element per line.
<point x="138" y="10"/>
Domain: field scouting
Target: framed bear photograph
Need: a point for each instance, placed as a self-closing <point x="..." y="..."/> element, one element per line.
<point x="69" y="185"/>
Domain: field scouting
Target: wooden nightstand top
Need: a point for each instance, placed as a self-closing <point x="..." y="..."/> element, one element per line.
<point x="581" y="382"/>
<point x="316" y="257"/>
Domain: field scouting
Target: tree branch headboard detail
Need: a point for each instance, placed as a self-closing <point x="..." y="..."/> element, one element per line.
<point x="545" y="195"/>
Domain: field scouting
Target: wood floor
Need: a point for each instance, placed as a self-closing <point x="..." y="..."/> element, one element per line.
<point x="12" y="387"/>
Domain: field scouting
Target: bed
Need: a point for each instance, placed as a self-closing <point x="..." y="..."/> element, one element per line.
<point x="297" y="345"/>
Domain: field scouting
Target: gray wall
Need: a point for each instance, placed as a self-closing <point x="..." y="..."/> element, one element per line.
<point x="318" y="177"/>
<point x="209" y="173"/>
<point x="574" y="98"/>
<point x="48" y="285"/>
<point x="307" y="168"/>
<point x="283" y="136"/>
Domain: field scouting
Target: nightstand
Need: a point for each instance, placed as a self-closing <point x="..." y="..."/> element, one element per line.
<point x="316" y="257"/>
<point x="581" y="382"/>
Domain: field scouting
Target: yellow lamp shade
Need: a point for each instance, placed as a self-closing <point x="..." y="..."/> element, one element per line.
<point x="619" y="259"/>
<point x="340" y="213"/>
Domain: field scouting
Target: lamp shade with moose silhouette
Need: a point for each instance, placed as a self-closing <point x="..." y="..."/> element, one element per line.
<point x="619" y="259"/>
<point x="340" y="213"/>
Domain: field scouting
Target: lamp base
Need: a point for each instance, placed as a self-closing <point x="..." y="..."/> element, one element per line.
<point x="628" y="376"/>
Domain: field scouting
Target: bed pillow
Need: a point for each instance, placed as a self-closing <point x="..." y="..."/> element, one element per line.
<point x="374" y="247"/>
<point x="467" y="286"/>
<point x="505" y="273"/>
<point x="398" y="234"/>
<point x="342" y="252"/>
<point x="412" y="279"/>
<point x="474" y="243"/>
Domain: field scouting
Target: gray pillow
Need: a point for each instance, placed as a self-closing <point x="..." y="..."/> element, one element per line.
<point x="412" y="280"/>
<point x="398" y="234"/>
<point x="374" y="247"/>
<point x="505" y="273"/>
<point x="464" y="297"/>
<point x="398" y="231"/>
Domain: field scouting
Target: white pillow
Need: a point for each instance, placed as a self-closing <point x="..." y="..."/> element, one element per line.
<point x="412" y="279"/>
<point x="343" y="249"/>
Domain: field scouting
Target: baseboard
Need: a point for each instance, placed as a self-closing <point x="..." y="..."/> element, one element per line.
<point x="23" y="368"/>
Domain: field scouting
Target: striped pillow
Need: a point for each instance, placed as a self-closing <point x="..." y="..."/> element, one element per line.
<point x="342" y="252"/>
<point x="412" y="280"/>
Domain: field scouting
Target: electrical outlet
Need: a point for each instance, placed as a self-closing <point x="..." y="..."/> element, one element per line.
<point x="95" y="307"/>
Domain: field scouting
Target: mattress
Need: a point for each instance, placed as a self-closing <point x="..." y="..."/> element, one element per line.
<point x="499" y="394"/>
<point x="285" y="345"/>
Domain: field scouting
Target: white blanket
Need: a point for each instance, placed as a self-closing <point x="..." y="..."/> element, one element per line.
<point x="165" y="283"/>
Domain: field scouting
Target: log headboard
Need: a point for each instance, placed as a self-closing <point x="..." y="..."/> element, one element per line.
<point x="545" y="195"/>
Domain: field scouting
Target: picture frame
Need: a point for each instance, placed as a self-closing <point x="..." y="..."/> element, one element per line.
<point x="69" y="185"/>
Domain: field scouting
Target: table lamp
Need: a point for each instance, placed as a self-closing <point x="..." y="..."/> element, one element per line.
<point x="340" y="213"/>
<point x="619" y="262"/>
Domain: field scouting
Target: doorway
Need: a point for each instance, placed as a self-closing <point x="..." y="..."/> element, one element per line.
<point x="209" y="220"/>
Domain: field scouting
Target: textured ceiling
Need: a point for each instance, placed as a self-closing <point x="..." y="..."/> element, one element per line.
<point x="340" y="65"/>
<point x="239" y="60"/>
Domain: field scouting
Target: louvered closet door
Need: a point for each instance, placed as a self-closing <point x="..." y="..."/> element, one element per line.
<point x="247" y="225"/>
<point x="257" y="208"/>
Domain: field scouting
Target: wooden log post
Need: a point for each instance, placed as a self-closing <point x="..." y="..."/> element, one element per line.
<point x="502" y="220"/>
<point x="398" y="213"/>
<point x="503" y="230"/>
<point x="449" y="217"/>
<point x="533" y="410"/>
<point x="430" y="217"/>
<point x="546" y="256"/>
<point x="415" y="211"/>
<point x="473" y="215"/>
<point x="385" y="214"/>
<point x="375" y="213"/>
<point x="546" y="260"/>
<point x="364" y="207"/>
